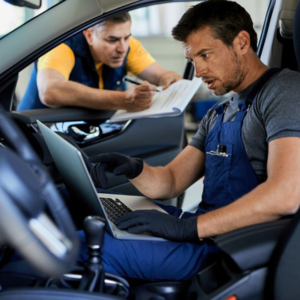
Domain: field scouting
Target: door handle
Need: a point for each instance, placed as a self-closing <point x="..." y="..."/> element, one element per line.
<point x="86" y="134"/>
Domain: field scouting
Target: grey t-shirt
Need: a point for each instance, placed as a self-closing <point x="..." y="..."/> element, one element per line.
<point x="274" y="114"/>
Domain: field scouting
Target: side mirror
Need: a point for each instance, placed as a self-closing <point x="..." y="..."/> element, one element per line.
<point x="35" y="4"/>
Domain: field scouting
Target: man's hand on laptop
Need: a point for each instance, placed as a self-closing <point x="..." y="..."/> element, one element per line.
<point x="159" y="224"/>
<point x="115" y="163"/>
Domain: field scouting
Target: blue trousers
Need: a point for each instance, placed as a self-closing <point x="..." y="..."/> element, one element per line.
<point x="154" y="260"/>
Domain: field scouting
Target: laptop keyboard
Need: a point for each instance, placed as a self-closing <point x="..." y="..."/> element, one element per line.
<point x="114" y="208"/>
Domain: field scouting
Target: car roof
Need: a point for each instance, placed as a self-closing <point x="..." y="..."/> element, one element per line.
<point x="62" y="20"/>
<point x="69" y="17"/>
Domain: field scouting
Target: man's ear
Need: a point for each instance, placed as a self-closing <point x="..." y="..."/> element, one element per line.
<point x="88" y="33"/>
<point x="242" y="42"/>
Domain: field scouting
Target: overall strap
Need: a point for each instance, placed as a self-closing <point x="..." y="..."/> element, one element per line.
<point x="245" y="105"/>
<point x="220" y="109"/>
<point x="261" y="82"/>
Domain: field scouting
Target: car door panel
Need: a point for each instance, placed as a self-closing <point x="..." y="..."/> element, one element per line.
<point x="156" y="140"/>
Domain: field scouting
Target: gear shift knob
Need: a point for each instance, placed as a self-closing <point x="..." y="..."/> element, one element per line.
<point x="94" y="227"/>
<point x="93" y="275"/>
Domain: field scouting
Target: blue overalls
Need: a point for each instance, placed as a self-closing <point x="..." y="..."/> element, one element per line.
<point x="228" y="176"/>
<point x="84" y="72"/>
<point x="226" y="160"/>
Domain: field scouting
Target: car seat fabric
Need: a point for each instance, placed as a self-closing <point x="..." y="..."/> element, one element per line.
<point x="284" y="270"/>
<point x="296" y="34"/>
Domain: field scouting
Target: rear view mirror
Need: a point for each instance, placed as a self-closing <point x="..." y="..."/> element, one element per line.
<point x="35" y="4"/>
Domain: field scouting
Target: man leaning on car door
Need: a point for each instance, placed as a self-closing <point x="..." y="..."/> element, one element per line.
<point x="88" y="71"/>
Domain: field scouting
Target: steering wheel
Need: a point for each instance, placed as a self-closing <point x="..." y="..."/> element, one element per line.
<point x="50" y="244"/>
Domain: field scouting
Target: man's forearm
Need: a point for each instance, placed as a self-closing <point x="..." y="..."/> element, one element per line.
<point x="265" y="203"/>
<point x="168" y="78"/>
<point x="155" y="182"/>
<point x="279" y="195"/>
<point x="173" y="179"/>
<point x="68" y="93"/>
<point x="158" y="75"/>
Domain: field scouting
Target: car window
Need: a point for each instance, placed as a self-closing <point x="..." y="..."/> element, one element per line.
<point x="152" y="27"/>
<point x="12" y="17"/>
<point x="158" y="20"/>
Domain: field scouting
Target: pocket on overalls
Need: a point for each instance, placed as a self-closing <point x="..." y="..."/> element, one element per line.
<point x="217" y="170"/>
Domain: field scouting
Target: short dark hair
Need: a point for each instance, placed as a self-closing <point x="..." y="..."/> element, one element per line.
<point x="225" y="18"/>
<point x="117" y="19"/>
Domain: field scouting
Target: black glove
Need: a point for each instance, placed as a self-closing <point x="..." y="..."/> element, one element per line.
<point x="159" y="224"/>
<point x="116" y="163"/>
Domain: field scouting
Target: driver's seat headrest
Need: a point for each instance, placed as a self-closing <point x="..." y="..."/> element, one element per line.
<point x="296" y="33"/>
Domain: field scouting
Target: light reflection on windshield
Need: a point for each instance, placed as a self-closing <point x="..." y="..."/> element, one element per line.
<point x="11" y="17"/>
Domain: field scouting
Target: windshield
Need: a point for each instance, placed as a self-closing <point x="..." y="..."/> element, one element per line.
<point x="12" y="17"/>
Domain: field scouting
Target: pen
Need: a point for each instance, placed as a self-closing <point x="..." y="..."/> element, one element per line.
<point x="134" y="82"/>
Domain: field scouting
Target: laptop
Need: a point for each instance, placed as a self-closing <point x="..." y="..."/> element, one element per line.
<point x="71" y="166"/>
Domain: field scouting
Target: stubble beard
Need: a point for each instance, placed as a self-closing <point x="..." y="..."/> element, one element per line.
<point x="234" y="79"/>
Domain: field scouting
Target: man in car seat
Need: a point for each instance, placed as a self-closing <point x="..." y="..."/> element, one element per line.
<point x="247" y="147"/>
<point x="88" y="71"/>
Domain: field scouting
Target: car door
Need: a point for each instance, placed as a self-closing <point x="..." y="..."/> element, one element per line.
<point x="155" y="140"/>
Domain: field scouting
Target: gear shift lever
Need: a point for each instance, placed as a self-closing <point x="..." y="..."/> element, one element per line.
<point x="93" y="274"/>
